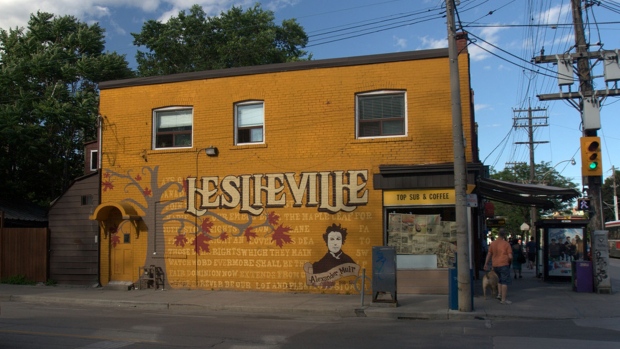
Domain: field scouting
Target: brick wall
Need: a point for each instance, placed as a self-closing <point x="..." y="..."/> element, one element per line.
<point x="309" y="127"/>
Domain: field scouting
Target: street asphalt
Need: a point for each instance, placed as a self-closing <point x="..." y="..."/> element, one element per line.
<point x="532" y="298"/>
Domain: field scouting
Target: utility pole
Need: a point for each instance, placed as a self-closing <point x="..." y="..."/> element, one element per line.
<point x="587" y="98"/>
<point x="613" y="173"/>
<point x="518" y="122"/>
<point x="460" y="174"/>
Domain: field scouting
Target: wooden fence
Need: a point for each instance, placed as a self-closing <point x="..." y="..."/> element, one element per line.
<point x="24" y="252"/>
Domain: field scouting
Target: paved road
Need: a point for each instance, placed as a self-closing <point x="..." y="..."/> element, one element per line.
<point x="30" y="326"/>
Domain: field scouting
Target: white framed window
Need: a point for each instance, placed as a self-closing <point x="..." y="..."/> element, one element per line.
<point x="381" y="114"/>
<point x="249" y="122"/>
<point x="94" y="160"/>
<point x="172" y="127"/>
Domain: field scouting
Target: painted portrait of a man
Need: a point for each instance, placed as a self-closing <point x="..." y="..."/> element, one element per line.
<point x="334" y="237"/>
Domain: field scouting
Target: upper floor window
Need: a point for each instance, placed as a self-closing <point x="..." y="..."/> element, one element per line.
<point x="381" y="114"/>
<point x="249" y="122"/>
<point x="94" y="160"/>
<point x="173" y="127"/>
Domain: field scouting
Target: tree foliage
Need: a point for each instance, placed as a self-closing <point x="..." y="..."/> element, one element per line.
<point x="194" y="42"/>
<point x="49" y="101"/>
<point x="544" y="174"/>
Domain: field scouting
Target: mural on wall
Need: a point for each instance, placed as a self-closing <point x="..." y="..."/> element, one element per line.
<point x="200" y="214"/>
<point x="335" y="264"/>
<point x="113" y="231"/>
<point x="143" y="192"/>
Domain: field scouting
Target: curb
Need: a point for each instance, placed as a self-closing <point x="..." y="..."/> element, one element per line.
<point x="102" y="303"/>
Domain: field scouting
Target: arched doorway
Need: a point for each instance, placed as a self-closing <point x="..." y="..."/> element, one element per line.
<point x="119" y="232"/>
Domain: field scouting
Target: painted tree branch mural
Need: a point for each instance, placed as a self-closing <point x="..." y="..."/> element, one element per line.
<point x="154" y="197"/>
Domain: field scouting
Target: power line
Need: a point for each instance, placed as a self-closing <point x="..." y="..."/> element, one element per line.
<point x="372" y="30"/>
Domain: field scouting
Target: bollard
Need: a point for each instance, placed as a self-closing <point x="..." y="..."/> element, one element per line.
<point x="363" y="284"/>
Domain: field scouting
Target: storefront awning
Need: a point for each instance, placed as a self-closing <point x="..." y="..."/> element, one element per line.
<point x="524" y="194"/>
<point x="103" y="211"/>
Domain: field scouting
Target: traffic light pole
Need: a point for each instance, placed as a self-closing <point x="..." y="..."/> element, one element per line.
<point x="585" y="87"/>
<point x="582" y="57"/>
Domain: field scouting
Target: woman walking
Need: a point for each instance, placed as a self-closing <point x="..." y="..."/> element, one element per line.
<point x="518" y="258"/>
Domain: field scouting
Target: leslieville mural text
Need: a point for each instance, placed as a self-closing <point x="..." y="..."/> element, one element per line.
<point x="277" y="234"/>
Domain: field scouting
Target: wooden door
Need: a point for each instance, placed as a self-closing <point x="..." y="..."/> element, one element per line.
<point x="122" y="234"/>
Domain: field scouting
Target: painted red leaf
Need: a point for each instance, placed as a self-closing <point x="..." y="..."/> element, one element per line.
<point x="147" y="192"/>
<point x="280" y="236"/>
<point x="224" y="236"/>
<point x="206" y="225"/>
<point x="249" y="234"/>
<point x="201" y="243"/>
<point x="107" y="185"/>
<point x="115" y="240"/>
<point x="273" y="218"/>
<point x="180" y="240"/>
<point x="138" y="178"/>
<point x="107" y="175"/>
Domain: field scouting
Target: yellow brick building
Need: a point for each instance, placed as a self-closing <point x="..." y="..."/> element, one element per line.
<point x="283" y="177"/>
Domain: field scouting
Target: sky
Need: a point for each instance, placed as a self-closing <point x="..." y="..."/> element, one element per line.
<point x="505" y="35"/>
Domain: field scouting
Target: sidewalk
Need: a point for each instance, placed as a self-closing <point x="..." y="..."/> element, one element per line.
<point x="531" y="297"/>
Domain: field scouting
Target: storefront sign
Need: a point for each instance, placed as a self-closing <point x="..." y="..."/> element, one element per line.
<point x="419" y="197"/>
<point x="496" y="222"/>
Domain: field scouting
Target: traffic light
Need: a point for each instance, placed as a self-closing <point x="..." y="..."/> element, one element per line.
<point x="583" y="204"/>
<point x="591" y="160"/>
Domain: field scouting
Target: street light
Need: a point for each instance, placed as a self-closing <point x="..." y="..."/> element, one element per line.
<point x="572" y="162"/>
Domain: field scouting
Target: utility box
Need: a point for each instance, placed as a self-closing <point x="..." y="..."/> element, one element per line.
<point x="384" y="273"/>
<point x="582" y="276"/>
<point x="611" y="66"/>
<point x="453" y="286"/>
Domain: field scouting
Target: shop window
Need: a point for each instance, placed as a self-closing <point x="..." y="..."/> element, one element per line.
<point x="173" y="128"/>
<point x="381" y="114"/>
<point x="249" y="122"/>
<point x="429" y="233"/>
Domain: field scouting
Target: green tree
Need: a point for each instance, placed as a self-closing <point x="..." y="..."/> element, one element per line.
<point x="607" y="190"/>
<point x="237" y="38"/>
<point x="545" y="174"/>
<point x="49" y="102"/>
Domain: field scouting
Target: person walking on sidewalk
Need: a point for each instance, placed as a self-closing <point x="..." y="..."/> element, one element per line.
<point x="518" y="258"/>
<point x="531" y="252"/>
<point x="500" y="255"/>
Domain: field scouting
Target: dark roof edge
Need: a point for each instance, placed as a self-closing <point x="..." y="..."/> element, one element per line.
<point x="279" y="67"/>
<point x="447" y="167"/>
